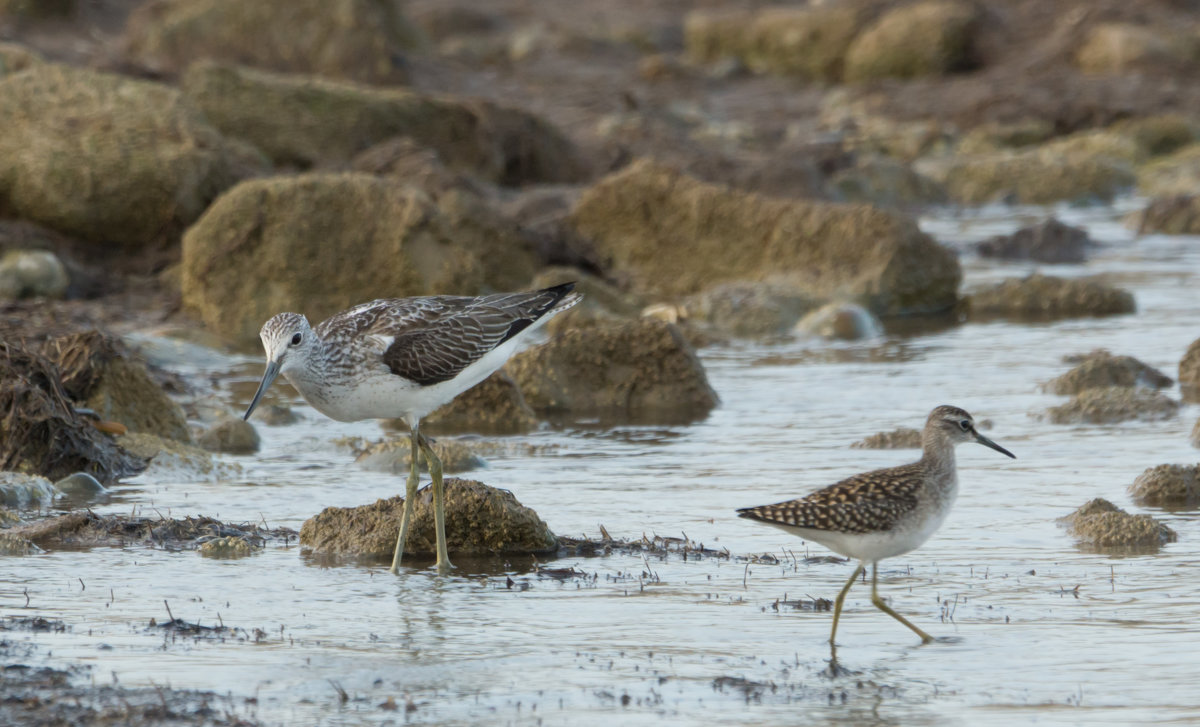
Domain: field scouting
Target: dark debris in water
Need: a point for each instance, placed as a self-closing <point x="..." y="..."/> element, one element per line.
<point x="657" y="546"/>
<point x="87" y="529"/>
<point x="37" y="624"/>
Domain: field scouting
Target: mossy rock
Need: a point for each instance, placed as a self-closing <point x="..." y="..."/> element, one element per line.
<point x="230" y="435"/>
<point x="1049" y="241"/>
<point x="36" y="9"/>
<point x="1113" y="404"/>
<point x="493" y="406"/>
<point x="1159" y="134"/>
<point x="1102" y="524"/>
<point x="15" y="57"/>
<point x="1045" y="297"/>
<point x="306" y="121"/>
<point x="1189" y="373"/>
<point x="1119" y="48"/>
<point x="480" y="520"/>
<point x="1168" y="485"/>
<point x="229" y="546"/>
<point x="749" y="309"/>
<point x="886" y="182"/>
<point x="1178" y="215"/>
<point x="699" y="235"/>
<point x="1174" y="175"/>
<point x="1101" y="369"/>
<point x="993" y="137"/>
<point x="638" y="371"/>
<point x="1032" y="176"/>
<point x="927" y="38"/>
<point x="899" y="438"/>
<point x="320" y="243"/>
<point x="360" y="40"/>
<point x="107" y="158"/>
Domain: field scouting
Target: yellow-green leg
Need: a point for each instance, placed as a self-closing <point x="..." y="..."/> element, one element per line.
<point x="410" y="496"/>
<point x="875" y="599"/>
<point x="439" y="506"/>
<point x="841" y="598"/>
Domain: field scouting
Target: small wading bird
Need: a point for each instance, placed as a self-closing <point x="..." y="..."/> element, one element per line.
<point x="884" y="513"/>
<point x="403" y="358"/>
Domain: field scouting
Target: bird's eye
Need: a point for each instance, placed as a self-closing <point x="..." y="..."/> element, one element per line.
<point x="296" y="340"/>
<point x="965" y="424"/>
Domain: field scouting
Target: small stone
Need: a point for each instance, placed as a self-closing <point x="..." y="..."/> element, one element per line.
<point x="841" y="321"/>
<point x="1168" y="485"/>
<point x="19" y="490"/>
<point x="80" y="486"/>
<point x="229" y="546"/>
<point x="1103" y="524"/>
<point x="276" y="415"/>
<point x="1049" y="241"/>
<point x="231" y="435"/>
<point x="32" y="274"/>
<point x="1100" y="369"/>
<point x="899" y="438"/>
<point x="1113" y="404"/>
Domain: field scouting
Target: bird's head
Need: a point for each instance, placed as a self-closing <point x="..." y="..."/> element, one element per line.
<point x="288" y="340"/>
<point x="957" y="426"/>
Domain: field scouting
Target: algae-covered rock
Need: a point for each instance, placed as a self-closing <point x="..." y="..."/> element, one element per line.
<point x="1114" y="48"/>
<point x="230" y="435"/>
<point x="749" y="309"/>
<point x="674" y="235"/>
<point x="361" y="40"/>
<point x="898" y="438"/>
<point x="808" y="42"/>
<point x="1032" y="176"/>
<point x="1101" y="369"/>
<point x="320" y="243"/>
<point x="926" y="38"/>
<point x="15" y="545"/>
<point x="36" y="9"/>
<point x="1175" y="175"/>
<point x="172" y="458"/>
<point x="1045" y="297"/>
<point x="307" y="121"/>
<point x="1113" y="404"/>
<point x="104" y="157"/>
<point x="1178" y="215"/>
<point x="637" y="371"/>
<point x="995" y="136"/>
<point x="480" y="520"/>
<point x="19" y="490"/>
<point x="32" y="274"/>
<point x="1103" y="524"/>
<point x="410" y="162"/>
<point x="1049" y="241"/>
<point x="1189" y="373"/>
<point x="841" y="321"/>
<point x="1168" y="485"/>
<point x="394" y="455"/>
<point x="887" y="182"/>
<point x="493" y="406"/>
<point x="15" y="57"/>
<point x="1195" y="438"/>
<point x="229" y="546"/>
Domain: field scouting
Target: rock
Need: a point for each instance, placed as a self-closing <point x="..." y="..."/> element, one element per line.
<point x="230" y="546"/>
<point x="1189" y="373"/>
<point x="41" y="431"/>
<point x="440" y="20"/>
<point x="159" y="166"/>
<point x="886" y="182"/>
<point x="1033" y="176"/>
<point x="99" y="371"/>
<point x="81" y="487"/>
<point x="1117" y="48"/>
<point x="170" y="458"/>
<point x="807" y="42"/>
<point x="410" y="162"/>
<point x="305" y="121"/>
<point x="36" y="9"/>
<point x="638" y="371"/>
<point x="1159" y="134"/>
<point x="230" y="435"/>
<point x="601" y="299"/>
<point x="1168" y="485"/>
<point x="1103" y="524"/>
<point x="87" y="529"/>
<point x="494" y="406"/>
<point x="700" y="235"/>
<point x="361" y="40"/>
<point x="1113" y="404"/>
<point x="480" y="520"/>
<point x="926" y="38"/>
<point x="1045" y="297"/>
<point x="15" y="57"/>
<point x="1049" y="241"/>
<point x="1195" y="439"/>
<point x="395" y="456"/>
<point x="1176" y="175"/>
<point x="842" y="321"/>
<point x="275" y="415"/>
<point x="22" y="491"/>
<point x="1101" y="369"/>
<point x="898" y="438"/>
<point x="749" y="309"/>
<point x="993" y="137"/>
<point x="1169" y="216"/>
<point x="13" y="545"/>
<point x="291" y="243"/>
<point x="32" y="274"/>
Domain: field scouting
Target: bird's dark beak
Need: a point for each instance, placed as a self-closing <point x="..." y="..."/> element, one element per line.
<point x="268" y="376"/>
<point x="982" y="440"/>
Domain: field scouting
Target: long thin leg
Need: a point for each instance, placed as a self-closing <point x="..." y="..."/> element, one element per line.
<point x="875" y="599"/>
<point x="841" y="598"/>
<point x="410" y="496"/>
<point x="439" y="505"/>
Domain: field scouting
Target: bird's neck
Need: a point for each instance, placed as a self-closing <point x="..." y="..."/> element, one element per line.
<point x="937" y="454"/>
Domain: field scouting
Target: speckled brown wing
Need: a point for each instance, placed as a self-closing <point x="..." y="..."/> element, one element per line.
<point x="870" y="502"/>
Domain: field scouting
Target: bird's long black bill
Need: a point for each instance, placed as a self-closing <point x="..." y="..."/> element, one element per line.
<point x="268" y="376"/>
<point x="989" y="443"/>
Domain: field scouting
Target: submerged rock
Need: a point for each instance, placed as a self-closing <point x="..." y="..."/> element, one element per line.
<point x="887" y="182"/>
<point x="925" y="38"/>
<point x="172" y="458"/>
<point x="1100" y="369"/>
<point x="18" y="490"/>
<point x="480" y="520"/>
<point x="842" y="321"/>
<point x="230" y="435"/>
<point x="85" y="528"/>
<point x="80" y="486"/>
<point x="13" y="545"/>
<point x="1049" y="241"/>
<point x="32" y="274"/>
<point x="1195" y="439"/>
<point x="1103" y="524"/>
<point x="898" y="438"/>
<point x="229" y="546"/>
<point x="275" y="415"/>
<point x="1114" y="404"/>
<point x="1044" y="297"/>
<point x="1168" y="485"/>
<point x="494" y="406"/>
<point x="395" y="456"/>
<point x="638" y="371"/>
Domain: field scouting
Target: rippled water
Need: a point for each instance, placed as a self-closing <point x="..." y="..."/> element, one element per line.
<point x="1042" y="629"/>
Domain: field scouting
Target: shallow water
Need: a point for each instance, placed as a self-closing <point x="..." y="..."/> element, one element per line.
<point x="1037" y="628"/>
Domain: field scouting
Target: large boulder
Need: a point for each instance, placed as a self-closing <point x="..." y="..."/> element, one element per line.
<point x="1117" y="48"/>
<point x="361" y="40"/>
<point x="1168" y="485"/>
<point x="1189" y="373"/>
<point x="320" y="243"/>
<point x="1046" y="296"/>
<point x="1101" y="369"/>
<point x="107" y="158"/>
<point x="674" y="235"/>
<point x="1049" y="241"/>
<point x="1102" y="524"/>
<point x="927" y="38"/>
<point x="1112" y="404"/>
<point x="307" y="121"/>
<point x="638" y="371"/>
<point x="480" y="520"/>
<point x="1033" y="176"/>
